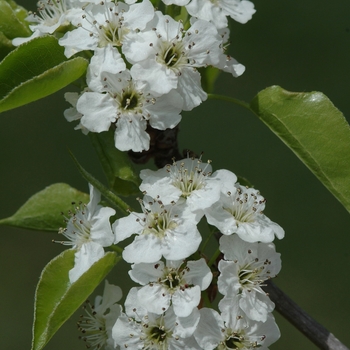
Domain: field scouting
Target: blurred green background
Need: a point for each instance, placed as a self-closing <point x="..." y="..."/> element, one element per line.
<point x="300" y="45"/>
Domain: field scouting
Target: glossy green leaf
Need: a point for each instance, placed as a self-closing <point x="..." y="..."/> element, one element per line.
<point x="34" y="70"/>
<point x="112" y="198"/>
<point x="116" y="164"/>
<point x="43" y="210"/>
<point x="315" y="130"/>
<point x="12" y="23"/>
<point x="56" y="299"/>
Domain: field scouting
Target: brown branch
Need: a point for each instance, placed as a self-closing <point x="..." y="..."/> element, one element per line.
<point x="319" y="335"/>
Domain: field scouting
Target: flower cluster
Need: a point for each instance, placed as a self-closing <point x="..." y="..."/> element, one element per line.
<point x="170" y="308"/>
<point x="143" y="64"/>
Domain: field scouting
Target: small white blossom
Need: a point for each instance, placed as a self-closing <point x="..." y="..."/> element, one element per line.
<point x="162" y="230"/>
<point x="240" y="211"/>
<point x="51" y="16"/>
<point x="178" y="284"/>
<point x="97" y="325"/>
<point x="166" y="57"/>
<point x="244" y="271"/>
<point x="139" y="329"/>
<point x="88" y="231"/>
<point x="128" y="106"/>
<point x="189" y="181"/>
<point x="106" y="23"/>
<point x="231" y="330"/>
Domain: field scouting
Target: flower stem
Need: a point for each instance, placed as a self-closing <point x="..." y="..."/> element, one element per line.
<point x="116" y="248"/>
<point x="214" y="257"/>
<point x="231" y="100"/>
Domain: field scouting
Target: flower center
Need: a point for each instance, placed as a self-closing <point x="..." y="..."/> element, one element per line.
<point x="249" y="276"/>
<point x="78" y="228"/>
<point x="129" y="100"/>
<point x="235" y="341"/>
<point x="246" y="205"/>
<point x="188" y="180"/>
<point x="94" y="329"/>
<point x="158" y="224"/>
<point x="111" y="33"/>
<point x="172" y="55"/>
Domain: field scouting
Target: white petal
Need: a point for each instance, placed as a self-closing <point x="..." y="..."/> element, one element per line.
<point x="144" y="248"/>
<point x="208" y="333"/>
<point x="85" y="257"/>
<point x="154" y="298"/>
<point x="160" y="79"/>
<point x="105" y="59"/>
<point x="131" y="135"/>
<point x="145" y="273"/>
<point x="98" y="111"/>
<point x="184" y="301"/>
<point x="125" y="227"/>
<point x="189" y="87"/>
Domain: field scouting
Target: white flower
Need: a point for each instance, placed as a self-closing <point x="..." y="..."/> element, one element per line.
<point x="138" y="329"/>
<point x="217" y="11"/>
<point x="106" y="23"/>
<point x="126" y="104"/>
<point x="178" y="284"/>
<point x="51" y="16"/>
<point x="162" y="230"/>
<point x="231" y="330"/>
<point x="97" y="325"/>
<point x="244" y="271"/>
<point x="88" y="231"/>
<point x="241" y="211"/>
<point x="188" y="180"/>
<point x="166" y="57"/>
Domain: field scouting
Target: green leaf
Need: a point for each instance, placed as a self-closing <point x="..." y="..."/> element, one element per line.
<point x="43" y="210"/>
<point x="34" y="70"/>
<point x="108" y="194"/>
<point x="56" y="299"/>
<point x="116" y="164"/>
<point x="12" y="22"/>
<point x="315" y="130"/>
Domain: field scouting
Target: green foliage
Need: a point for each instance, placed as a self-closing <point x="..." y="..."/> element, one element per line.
<point x="56" y="299"/>
<point x="43" y="210"/>
<point x="34" y="70"/>
<point x="116" y="164"/>
<point x="113" y="199"/>
<point x="315" y="130"/>
<point x="12" y="25"/>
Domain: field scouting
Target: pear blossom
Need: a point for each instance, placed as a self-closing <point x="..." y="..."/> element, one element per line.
<point x="139" y="329"/>
<point x="231" y="330"/>
<point x="217" y="11"/>
<point x="170" y="56"/>
<point x="178" y="284"/>
<point x="106" y="23"/>
<point x="189" y="181"/>
<point x="88" y="231"/>
<point x="162" y="230"/>
<point x="52" y="15"/>
<point x="97" y="324"/>
<point x="243" y="272"/>
<point x="127" y="105"/>
<point x="240" y="210"/>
